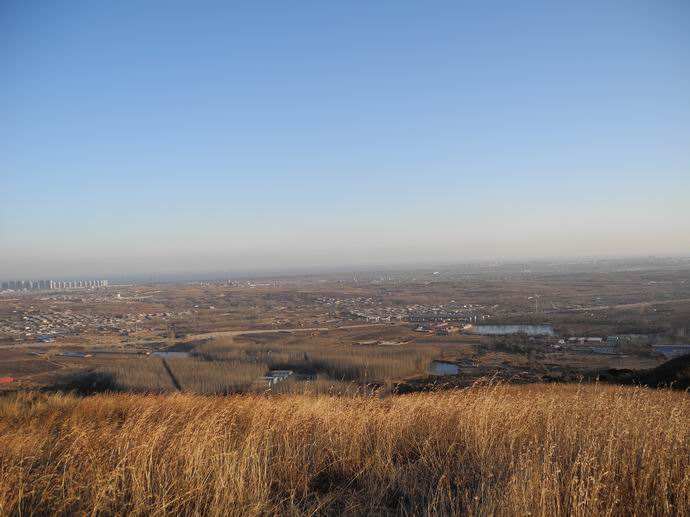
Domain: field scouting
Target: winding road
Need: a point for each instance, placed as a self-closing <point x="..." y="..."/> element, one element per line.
<point x="204" y="335"/>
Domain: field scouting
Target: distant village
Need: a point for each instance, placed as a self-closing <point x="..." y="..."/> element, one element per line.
<point x="47" y="320"/>
<point x="46" y="325"/>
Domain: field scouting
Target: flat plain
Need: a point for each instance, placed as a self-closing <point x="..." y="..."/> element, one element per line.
<point x="352" y="394"/>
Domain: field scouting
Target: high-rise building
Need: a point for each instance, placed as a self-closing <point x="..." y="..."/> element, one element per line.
<point x="27" y="285"/>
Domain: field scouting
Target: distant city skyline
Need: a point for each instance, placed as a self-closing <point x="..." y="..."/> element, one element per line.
<point x="42" y="285"/>
<point x="170" y="137"/>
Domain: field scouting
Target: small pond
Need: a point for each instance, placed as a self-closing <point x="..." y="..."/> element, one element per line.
<point x="443" y="368"/>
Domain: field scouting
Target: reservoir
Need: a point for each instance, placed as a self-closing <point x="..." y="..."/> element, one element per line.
<point x="501" y="330"/>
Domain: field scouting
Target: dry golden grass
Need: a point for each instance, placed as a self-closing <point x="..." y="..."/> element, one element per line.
<point x="501" y="450"/>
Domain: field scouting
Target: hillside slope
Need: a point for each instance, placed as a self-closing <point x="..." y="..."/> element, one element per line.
<point x="675" y="373"/>
<point x="539" y="449"/>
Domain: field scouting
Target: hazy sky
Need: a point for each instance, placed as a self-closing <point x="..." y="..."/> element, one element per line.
<point x="162" y="136"/>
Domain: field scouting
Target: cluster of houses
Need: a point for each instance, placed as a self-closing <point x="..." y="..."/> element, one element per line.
<point x="45" y="324"/>
<point x="274" y="377"/>
<point x="375" y="310"/>
<point x="442" y="328"/>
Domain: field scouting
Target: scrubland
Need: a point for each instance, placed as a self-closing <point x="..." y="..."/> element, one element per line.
<point x="224" y="366"/>
<point x="343" y="362"/>
<point x="490" y="449"/>
<point x="147" y="375"/>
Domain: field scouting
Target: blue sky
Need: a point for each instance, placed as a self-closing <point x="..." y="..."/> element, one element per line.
<point x="165" y="136"/>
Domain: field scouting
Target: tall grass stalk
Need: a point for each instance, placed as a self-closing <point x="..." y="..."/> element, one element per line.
<point x="491" y="450"/>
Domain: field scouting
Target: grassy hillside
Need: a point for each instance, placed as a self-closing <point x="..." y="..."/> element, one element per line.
<point x="539" y="449"/>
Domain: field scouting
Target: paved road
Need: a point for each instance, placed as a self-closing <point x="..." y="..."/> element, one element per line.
<point x="232" y="333"/>
<point x="206" y="335"/>
<point x="637" y="305"/>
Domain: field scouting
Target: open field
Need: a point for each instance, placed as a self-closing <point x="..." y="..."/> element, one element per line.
<point x="505" y="450"/>
<point x="623" y="298"/>
<point x="344" y="329"/>
<point x="365" y="357"/>
<point x="237" y="364"/>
